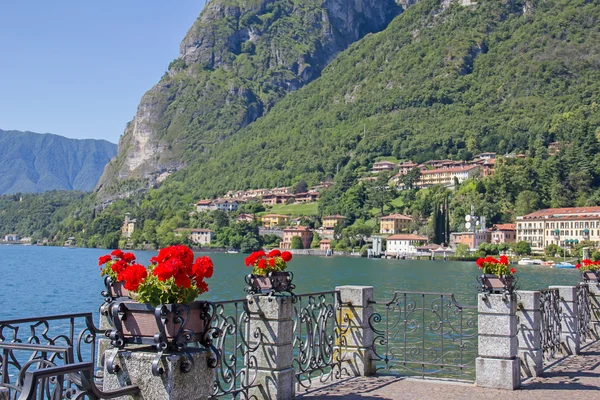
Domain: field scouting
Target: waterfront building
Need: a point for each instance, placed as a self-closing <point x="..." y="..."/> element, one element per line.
<point x="504" y="233"/>
<point x="471" y="239"/>
<point x="560" y="226"/>
<point x="274" y="220"/>
<point x="12" y="237"/>
<point x="330" y="221"/>
<point x="404" y="244"/>
<point x="303" y="232"/>
<point x="128" y="226"/>
<point x="380" y="166"/>
<point x="201" y="237"/>
<point x="325" y="244"/>
<point x="393" y="224"/>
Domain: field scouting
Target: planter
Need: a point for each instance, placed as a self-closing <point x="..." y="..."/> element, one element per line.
<point x="491" y="283"/>
<point x="167" y="326"/>
<point x="273" y="282"/>
<point x="590" y="276"/>
<point x="114" y="290"/>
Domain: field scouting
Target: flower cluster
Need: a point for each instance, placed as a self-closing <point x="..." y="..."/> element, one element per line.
<point x="173" y="276"/>
<point x="588" y="265"/>
<point x="115" y="264"/>
<point x="263" y="263"/>
<point x="499" y="267"/>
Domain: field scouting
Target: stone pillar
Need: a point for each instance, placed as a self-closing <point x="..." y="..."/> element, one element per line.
<point x="497" y="365"/>
<point x="355" y="337"/>
<point x="271" y="320"/>
<point x="186" y="375"/>
<point x="4" y="393"/>
<point x="103" y="342"/>
<point x="529" y="335"/>
<point x="569" y="335"/>
<point x="594" y="290"/>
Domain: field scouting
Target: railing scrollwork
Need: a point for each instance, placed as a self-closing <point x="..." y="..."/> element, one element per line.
<point x="550" y="329"/>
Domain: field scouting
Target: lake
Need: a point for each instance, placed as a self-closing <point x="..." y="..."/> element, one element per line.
<point x="40" y="281"/>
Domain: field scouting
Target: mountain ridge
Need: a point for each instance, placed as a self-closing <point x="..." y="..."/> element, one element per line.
<point x="38" y="162"/>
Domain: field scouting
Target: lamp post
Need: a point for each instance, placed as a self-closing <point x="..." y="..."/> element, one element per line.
<point x="557" y="236"/>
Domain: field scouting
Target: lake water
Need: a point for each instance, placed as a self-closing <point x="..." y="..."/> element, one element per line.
<point x="38" y="281"/>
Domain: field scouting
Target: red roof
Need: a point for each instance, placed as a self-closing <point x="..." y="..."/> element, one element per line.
<point x="407" y="237"/>
<point x="325" y="241"/>
<point x="561" y="213"/>
<point x="446" y="170"/>
<point x="298" y="228"/>
<point x="334" y="217"/>
<point x="505" y="227"/>
<point x="204" y="202"/>
<point x="397" y="216"/>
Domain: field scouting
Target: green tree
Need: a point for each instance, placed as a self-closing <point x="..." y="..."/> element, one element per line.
<point x="527" y="202"/>
<point x="462" y="250"/>
<point x="297" y="243"/>
<point x="316" y="241"/>
<point x="552" y="249"/>
<point x="411" y="178"/>
<point x="522" y="248"/>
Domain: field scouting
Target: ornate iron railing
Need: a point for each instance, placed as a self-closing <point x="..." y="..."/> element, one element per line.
<point x="319" y="338"/>
<point x="425" y="334"/>
<point x="584" y="312"/>
<point x="550" y="312"/>
<point x="51" y="358"/>
<point x="237" y="368"/>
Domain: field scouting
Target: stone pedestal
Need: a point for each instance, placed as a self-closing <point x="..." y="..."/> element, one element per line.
<point x="594" y="291"/>
<point x="272" y="329"/>
<point x="569" y="335"/>
<point x="529" y="335"/>
<point x="186" y="375"/>
<point x="497" y="365"/>
<point x="4" y="393"/>
<point x="355" y="338"/>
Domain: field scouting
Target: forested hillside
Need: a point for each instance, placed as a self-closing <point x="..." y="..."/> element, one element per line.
<point x="32" y="162"/>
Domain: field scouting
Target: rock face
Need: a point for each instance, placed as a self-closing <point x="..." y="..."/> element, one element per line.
<point x="32" y="162"/>
<point x="237" y="60"/>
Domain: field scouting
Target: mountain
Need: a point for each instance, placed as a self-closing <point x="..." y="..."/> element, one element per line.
<point x="236" y="62"/>
<point x="442" y="80"/>
<point x="32" y="162"/>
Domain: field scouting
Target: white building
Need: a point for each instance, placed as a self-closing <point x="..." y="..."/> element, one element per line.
<point x="226" y="205"/>
<point x="205" y="205"/>
<point x="404" y="244"/>
<point x="201" y="237"/>
<point x="12" y="237"/>
<point x="559" y="226"/>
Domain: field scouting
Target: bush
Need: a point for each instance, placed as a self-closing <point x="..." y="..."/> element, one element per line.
<point x="297" y="243"/>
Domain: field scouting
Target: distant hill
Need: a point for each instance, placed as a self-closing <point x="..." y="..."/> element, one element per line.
<point x="32" y="162"/>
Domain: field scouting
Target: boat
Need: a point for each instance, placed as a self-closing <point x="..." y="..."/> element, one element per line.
<point x="232" y="251"/>
<point x="565" y="264"/>
<point x="525" y="261"/>
<point x="548" y="264"/>
<point x="537" y="261"/>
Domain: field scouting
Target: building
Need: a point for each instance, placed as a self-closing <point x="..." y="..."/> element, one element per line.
<point x="559" y="225"/>
<point x="244" y="218"/>
<point x="128" y="226"/>
<point x="325" y="244"/>
<point x="504" y="233"/>
<point x="380" y="166"/>
<point x="405" y="167"/>
<point x="272" y="199"/>
<point x="12" y="237"/>
<point x="226" y="205"/>
<point x="486" y="156"/>
<point x="393" y="224"/>
<point x="471" y="239"/>
<point x="274" y="220"/>
<point x="201" y="237"/>
<point x="281" y="190"/>
<point x="303" y="232"/>
<point x="487" y="168"/>
<point x="307" y="197"/>
<point x="330" y="221"/>
<point x="404" y="244"/>
<point x="205" y="205"/>
<point x="447" y="176"/>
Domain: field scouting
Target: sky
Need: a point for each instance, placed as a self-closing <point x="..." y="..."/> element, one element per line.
<point x="79" y="68"/>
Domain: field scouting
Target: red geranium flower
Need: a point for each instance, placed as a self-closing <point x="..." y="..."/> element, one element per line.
<point x="577" y="266"/>
<point x="272" y="262"/>
<point x="133" y="276"/>
<point x="503" y="260"/>
<point x="480" y="262"/>
<point x="274" y="253"/>
<point x="119" y="266"/>
<point x="128" y="257"/>
<point x="262" y="263"/>
<point x="117" y="253"/>
<point x="286" y="256"/>
<point x="513" y="271"/>
<point x="104" y="259"/>
<point x="203" y="268"/>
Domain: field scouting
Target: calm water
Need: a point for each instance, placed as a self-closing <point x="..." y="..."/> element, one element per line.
<point x="39" y="281"/>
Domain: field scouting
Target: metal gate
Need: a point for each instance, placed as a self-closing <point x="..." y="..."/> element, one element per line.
<point x="425" y="334"/>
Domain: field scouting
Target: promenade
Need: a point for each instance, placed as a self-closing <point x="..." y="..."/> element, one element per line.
<point x="575" y="377"/>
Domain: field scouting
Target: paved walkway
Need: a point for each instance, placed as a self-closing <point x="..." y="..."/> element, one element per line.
<point x="576" y="377"/>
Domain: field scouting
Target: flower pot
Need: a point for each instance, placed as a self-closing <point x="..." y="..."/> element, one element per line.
<point x="273" y="282"/>
<point x="167" y="326"/>
<point x="114" y="290"/>
<point x="590" y="276"/>
<point x="491" y="283"/>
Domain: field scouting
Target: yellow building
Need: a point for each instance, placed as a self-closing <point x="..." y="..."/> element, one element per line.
<point x="128" y="226"/>
<point x="274" y="220"/>
<point x="395" y="223"/>
<point x="330" y="221"/>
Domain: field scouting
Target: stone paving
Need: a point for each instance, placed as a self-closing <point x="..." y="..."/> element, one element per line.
<point x="576" y="377"/>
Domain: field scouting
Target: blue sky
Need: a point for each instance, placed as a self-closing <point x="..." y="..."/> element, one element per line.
<point x="78" y="68"/>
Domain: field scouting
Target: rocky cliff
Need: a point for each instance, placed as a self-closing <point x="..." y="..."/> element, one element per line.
<point x="237" y="60"/>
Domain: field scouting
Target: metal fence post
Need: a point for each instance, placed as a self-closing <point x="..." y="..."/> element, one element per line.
<point x="355" y="338"/>
<point x="271" y="328"/>
<point x="529" y="335"/>
<point x="569" y="335"/>
<point x="594" y="291"/>
<point x="497" y="365"/>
